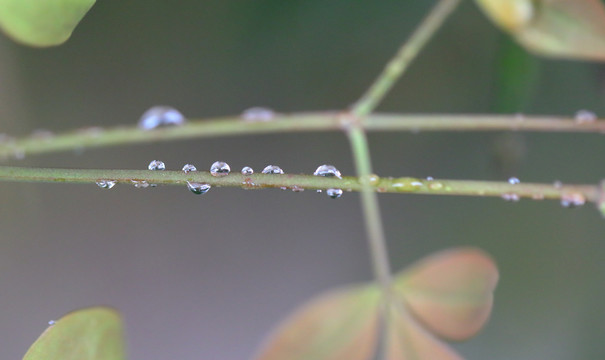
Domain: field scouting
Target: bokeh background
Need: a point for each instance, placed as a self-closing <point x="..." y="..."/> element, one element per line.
<point x="206" y="277"/>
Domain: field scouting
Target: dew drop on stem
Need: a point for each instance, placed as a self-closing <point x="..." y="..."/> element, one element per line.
<point x="247" y="170"/>
<point x="330" y="171"/>
<point x="585" y="117"/>
<point x="513" y="181"/>
<point x="198" y="188"/>
<point x="187" y="168"/>
<point x="156" y="165"/>
<point x="140" y="184"/>
<point x="572" y="200"/>
<point x="220" y="168"/>
<point x="258" y="114"/>
<point x="272" y="169"/>
<point x="159" y="116"/>
<point x="334" y="193"/>
<point x="106" y="184"/>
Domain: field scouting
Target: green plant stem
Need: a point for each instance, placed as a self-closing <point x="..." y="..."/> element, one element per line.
<point x="404" y="57"/>
<point x="304" y="122"/>
<point x="402" y="185"/>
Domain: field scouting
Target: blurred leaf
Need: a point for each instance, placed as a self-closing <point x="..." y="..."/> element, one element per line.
<point x="558" y="28"/>
<point x="407" y="340"/>
<point x="42" y="22"/>
<point x="88" y="334"/>
<point x="341" y="324"/>
<point x="451" y="292"/>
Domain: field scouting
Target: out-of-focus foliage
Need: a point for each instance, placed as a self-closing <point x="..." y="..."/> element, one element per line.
<point x="42" y="22"/>
<point x="559" y="28"/>
<point x="448" y="295"/>
<point x="88" y="334"/>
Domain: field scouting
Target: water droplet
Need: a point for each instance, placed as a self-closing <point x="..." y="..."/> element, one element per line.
<point x="297" y="188"/>
<point x="429" y="178"/>
<point x="511" y="197"/>
<point x="52" y="322"/>
<point x="572" y="200"/>
<point x="334" y="193"/>
<point x="187" y="168"/>
<point x="585" y="117"/>
<point x="272" y="169"/>
<point x="373" y="179"/>
<point x="156" y="165"/>
<point x="327" y="171"/>
<point x="513" y="181"/>
<point x="247" y="170"/>
<point x="436" y="186"/>
<point x="258" y="114"/>
<point x="416" y="184"/>
<point x="160" y="116"/>
<point x="219" y="168"/>
<point x="198" y="188"/>
<point x="106" y="184"/>
<point x="140" y="184"/>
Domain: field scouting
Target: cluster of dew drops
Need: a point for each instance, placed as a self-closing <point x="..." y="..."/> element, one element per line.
<point x="164" y="116"/>
<point x="221" y="168"/>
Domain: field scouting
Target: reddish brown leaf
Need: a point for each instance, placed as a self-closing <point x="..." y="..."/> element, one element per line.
<point x="340" y="324"/>
<point x="451" y="292"/>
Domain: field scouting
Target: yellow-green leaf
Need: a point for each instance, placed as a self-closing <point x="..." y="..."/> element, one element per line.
<point x="558" y="28"/>
<point x="451" y="292"/>
<point x="88" y="334"/>
<point x="340" y="324"/>
<point x="407" y="340"/>
<point x="42" y="22"/>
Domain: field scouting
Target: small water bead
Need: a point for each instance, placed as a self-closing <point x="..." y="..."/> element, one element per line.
<point x="513" y="181"/>
<point x="511" y="197"/>
<point x="106" y="184"/>
<point x="258" y="114"/>
<point x="220" y="168"/>
<point x="156" y="165"/>
<point x="198" y="188"/>
<point x="160" y="116"/>
<point x="52" y="322"/>
<point x="585" y="117"/>
<point x="334" y="193"/>
<point x="187" y="168"/>
<point x="429" y="178"/>
<point x="297" y="188"/>
<point x="327" y="171"/>
<point x="272" y="169"/>
<point x="373" y="179"/>
<point x="572" y="200"/>
<point x="247" y="170"/>
<point x="140" y="184"/>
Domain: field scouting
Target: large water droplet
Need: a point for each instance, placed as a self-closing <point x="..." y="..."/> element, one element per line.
<point x="156" y="165"/>
<point x="258" y="114"/>
<point x="513" y="181"/>
<point x="106" y="184"/>
<point x="198" y="188"/>
<point x="327" y="171"/>
<point x="272" y="169"/>
<point x="334" y="193"/>
<point x="247" y="170"/>
<point x="187" y="168"/>
<point x="160" y="116"/>
<point x="572" y="200"/>
<point x="585" y="117"/>
<point x="220" y="168"/>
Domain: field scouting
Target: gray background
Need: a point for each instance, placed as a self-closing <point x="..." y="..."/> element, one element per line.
<point x="205" y="277"/>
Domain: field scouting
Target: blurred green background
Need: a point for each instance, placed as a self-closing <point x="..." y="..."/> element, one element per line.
<point x="206" y="277"/>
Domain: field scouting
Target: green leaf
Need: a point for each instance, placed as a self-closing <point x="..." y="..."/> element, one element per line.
<point x="341" y="324"/>
<point x="451" y="292"/>
<point x="558" y="28"/>
<point x="42" y="22"/>
<point x="88" y="334"/>
<point x="407" y="340"/>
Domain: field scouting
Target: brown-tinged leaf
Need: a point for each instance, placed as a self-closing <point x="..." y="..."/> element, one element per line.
<point x="451" y="292"/>
<point x="407" y="340"/>
<point x="88" y="334"/>
<point x="340" y="324"/>
<point x="559" y="28"/>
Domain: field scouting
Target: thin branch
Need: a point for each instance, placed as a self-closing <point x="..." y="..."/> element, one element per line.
<point x="304" y="122"/>
<point x="404" y="57"/>
<point x="402" y="185"/>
